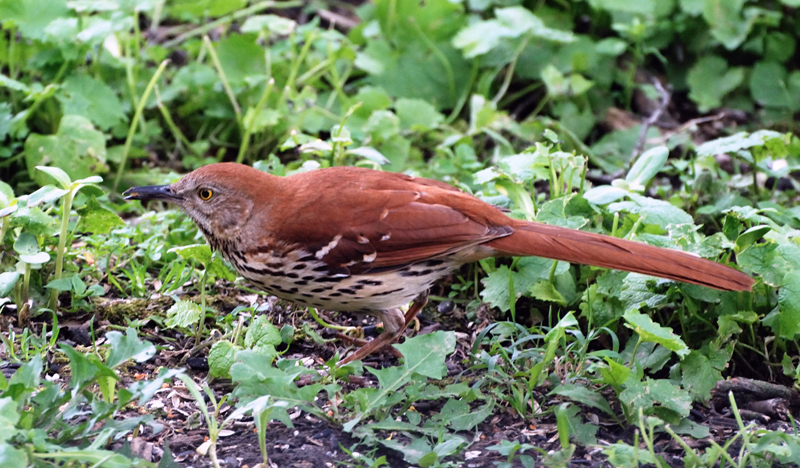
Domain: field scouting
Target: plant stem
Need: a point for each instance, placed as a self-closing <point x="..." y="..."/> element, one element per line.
<point x="134" y="122"/>
<point x="66" y="207"/>
<point x="226" y="85"/>
<point x="250" y="124"/>
<point x="200" y="325"/>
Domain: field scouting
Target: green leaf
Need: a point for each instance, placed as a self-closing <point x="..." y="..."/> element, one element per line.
<point x="82" y="370"/>
<point x="199" y="252"/>
<point x="726" y="22"/>
<point x="262" y="334"/>
<point x="219" y="269"/>
<point x="658" y="212"/>
<point x="710" y="80"/>
<point x="787" y="322"/>
<point x="604" y="194"/>
<point x="370" y="153"/>
<point x="33" y="16"/>
<point x="88" y="97"/>
<point x="771" y="86"/>
<point x="458" y="415"/>
<point x="699" y="375"/>
<point x="11" y="457"/>
<point x="127" y="346"/>
<point x="736" y="142"/>
<point x="241" y="59"/>
<point x="425" y="354"/>
<point x="7" y="281"/>
<point x="655" y="333"/>
<point x="417" y="115"/>
<point x="59" y="175"/>
<point x="183" y="314"/>
<point x="77" y="148"/>
<point x="46" y="194"/>
<point x="751" y="236"/>
<point x="570" y="416"/>
<point x="97" y="220"/>
<point x="276" y="25"/>
<point x="646" y="167"/>
<point x="512" y="22"/>
<point x="546" y="291"/>
<point x="581" y="394"/>
<point x="26" y="244"/>
<point x="221" y="358"/>
<point x="34" y="221"/>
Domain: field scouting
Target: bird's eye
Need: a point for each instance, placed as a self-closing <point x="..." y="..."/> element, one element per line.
<point x="205" y="194"/>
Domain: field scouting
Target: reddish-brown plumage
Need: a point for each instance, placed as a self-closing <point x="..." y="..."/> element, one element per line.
<point x="328" y="237"/>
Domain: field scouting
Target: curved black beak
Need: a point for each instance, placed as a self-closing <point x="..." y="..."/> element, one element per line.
<point x="151" y="192"/>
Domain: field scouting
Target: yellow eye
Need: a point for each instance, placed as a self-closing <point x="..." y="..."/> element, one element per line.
<point x="205" y="194"/>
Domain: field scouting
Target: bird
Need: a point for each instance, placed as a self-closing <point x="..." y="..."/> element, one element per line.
<point x="370" y="242"/>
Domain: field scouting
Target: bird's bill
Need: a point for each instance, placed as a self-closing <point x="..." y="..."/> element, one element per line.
<point x="150" y="192"/>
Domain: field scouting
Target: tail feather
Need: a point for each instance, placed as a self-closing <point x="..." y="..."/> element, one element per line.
<point x="543" y="240"/>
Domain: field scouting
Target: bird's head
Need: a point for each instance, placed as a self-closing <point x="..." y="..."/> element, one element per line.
<point x="219" y="197"/>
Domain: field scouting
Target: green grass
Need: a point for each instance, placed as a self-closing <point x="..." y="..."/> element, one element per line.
<point x="506" y="102"/>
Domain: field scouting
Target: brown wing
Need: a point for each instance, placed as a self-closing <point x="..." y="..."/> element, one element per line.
<point x="369" y="221"/>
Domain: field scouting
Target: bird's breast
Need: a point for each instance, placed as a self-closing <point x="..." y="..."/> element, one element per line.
<point x="301" y="278"/>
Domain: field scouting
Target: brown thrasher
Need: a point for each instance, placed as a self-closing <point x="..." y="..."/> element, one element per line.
<point x="359" y="240"/>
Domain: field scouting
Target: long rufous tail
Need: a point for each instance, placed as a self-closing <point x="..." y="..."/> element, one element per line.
<point x="543" y="240"/>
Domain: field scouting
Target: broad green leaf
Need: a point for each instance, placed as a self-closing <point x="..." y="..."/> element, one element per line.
<point x="646" y="167"/>
<point x="650" y="331"/>
<point x="569" y="417"/>
<point x="219" y="269"/>
<point x="7" y="281"/>
<point x="221" y="358"/>
<point x="370" y="153"/>
<point x="59" y="175"/>
<point x="727" y="24"/>
<point x="787" y="323"/>
<point x="699" y="375"/>
<point x="425" y="354"/>
<point x="581" y="394"/>
<point x="417" y="114"/>
<point x="604" y="194"/>
<point x="33" y="16"/>
<point x="127" y="346"/>
<point x="546" y="291"/>
<point x="623" y="455"/>
<point x="26" y="244"/>
<point x="458" y="415"/>
<point x="658" y="212"/>
<point x="274" y="24"/>
<point x="88" y="97"/>
<point x="77" y="148"/>
<point x="710" y="80"/>
<point x="82" y="370"/>
<point x="28" y="375"/>
<point x="751" y="236"/>
<point x="241" y="59"/>
<point x="183" y="314"/>
<point x="97" y="220"/>
<point x="262" y="334"/>
<point x="199" y="252"/>
<point x="771" y="86"/>
<point x="736" y="142"/>
<point x="34" y="221"/>
<point x="6" y="194"/>
<point x="11" y="457"/>
<point x="46" y="194"/>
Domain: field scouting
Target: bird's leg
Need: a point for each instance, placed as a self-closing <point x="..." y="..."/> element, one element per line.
<point x="394" y="324"/>
<point x="416" y="307"/>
